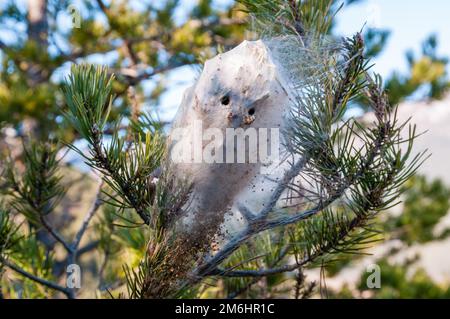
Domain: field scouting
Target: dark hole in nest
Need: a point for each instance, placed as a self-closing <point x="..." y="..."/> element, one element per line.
<point x="251" y="111"/>
<point x="225" y="100"/>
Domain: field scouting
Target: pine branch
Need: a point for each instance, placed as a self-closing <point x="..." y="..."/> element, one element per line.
<point x="371" y="175"/>
<point x="35" y="194"/>
<point x="354" y="224"/>
<point x="257" y="273"/>
<point x="126" y="164"/>
<point x="349" y="185"/>
<point x="103" y="163"/>
<point x="297" y="17"/>
<point x="73" y="250"/>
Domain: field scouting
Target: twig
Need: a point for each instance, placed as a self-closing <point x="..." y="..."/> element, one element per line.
<point x="88" y="247"/>
<point x="90" y="214"/>
<point x="258" y="272"/>
<point x="39" y="280"/>
<point x="290" y="174"/>
<point x="263" y="272"/>
<point x="54" y="233"/>
<point x="101" y="283"/>
<point x="282" y="254"/>
<point x="72" y="255"/>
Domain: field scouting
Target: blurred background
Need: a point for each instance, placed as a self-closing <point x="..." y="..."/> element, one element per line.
<point x="156" y="48"/>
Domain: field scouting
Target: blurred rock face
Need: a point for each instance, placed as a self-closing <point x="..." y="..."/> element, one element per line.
<point x="240" y="91"/>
